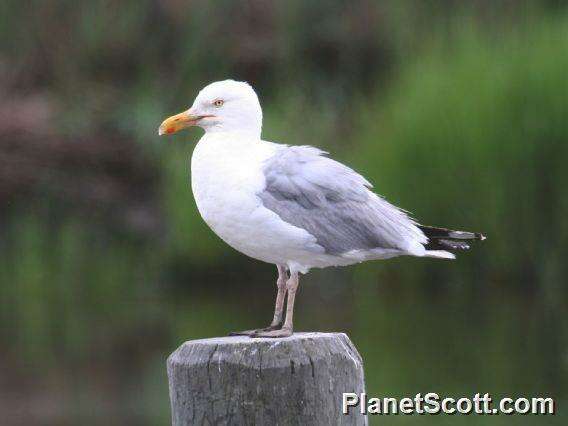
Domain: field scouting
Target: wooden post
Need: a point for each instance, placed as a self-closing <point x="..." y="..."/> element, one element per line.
<point x="238" y="380"/>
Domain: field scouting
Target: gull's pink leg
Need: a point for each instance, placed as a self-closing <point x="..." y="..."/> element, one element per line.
<point x="288" y="327"/>
<point x="278" y="309"/>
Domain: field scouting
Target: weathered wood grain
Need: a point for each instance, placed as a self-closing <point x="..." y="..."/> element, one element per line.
<point x="238" y="380"/>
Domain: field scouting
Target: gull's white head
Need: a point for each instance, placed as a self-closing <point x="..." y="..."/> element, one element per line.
<point x="222" y="106"/>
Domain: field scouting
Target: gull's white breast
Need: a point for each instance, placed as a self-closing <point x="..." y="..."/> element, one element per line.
<point x="226" y="176"/>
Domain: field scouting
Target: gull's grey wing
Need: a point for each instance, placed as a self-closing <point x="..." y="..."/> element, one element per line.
<point x="333" y="203"/>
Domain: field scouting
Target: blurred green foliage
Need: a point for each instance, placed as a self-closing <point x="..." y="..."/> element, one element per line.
<point x="474" y="135"/>
<point x="457" y="114"/>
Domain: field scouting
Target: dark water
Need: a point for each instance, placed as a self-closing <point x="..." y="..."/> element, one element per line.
<point x="446" y="337"/>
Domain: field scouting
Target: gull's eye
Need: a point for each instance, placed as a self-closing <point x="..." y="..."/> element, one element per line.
<point x="218" y="103"/>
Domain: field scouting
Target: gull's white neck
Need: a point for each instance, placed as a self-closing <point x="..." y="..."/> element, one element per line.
<point x="226" y="158"/>
<point x="236" y="126"/>
<point x="242" y="133"/>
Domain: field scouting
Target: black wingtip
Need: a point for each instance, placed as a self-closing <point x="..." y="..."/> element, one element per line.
<point x="448" y="239"/>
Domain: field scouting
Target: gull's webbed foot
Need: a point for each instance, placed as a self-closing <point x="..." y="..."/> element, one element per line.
<point x="282" y="332"/>
<point x="255" y="331"/>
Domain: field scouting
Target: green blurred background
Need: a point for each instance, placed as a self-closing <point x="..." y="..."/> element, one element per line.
<point x="457" y="111"/>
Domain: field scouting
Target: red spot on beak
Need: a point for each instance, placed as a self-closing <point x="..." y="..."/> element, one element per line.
<point x="170" y="130"/>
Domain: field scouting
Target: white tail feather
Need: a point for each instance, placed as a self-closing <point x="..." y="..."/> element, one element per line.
<point x="439" y="254"/>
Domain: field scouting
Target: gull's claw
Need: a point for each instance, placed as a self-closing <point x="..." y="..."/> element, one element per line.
<point x="283" y="332"/>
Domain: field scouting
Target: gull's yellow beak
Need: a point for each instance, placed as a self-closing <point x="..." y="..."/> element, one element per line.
<point x="177" y="122"/>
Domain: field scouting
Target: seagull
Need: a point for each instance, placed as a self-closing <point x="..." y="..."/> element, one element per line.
<point x="291" y="206"/>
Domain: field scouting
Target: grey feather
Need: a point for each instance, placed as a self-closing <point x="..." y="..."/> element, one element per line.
<point x="333" y="203"/>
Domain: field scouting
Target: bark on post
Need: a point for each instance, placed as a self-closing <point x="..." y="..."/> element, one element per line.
<point x="238" y="380"/>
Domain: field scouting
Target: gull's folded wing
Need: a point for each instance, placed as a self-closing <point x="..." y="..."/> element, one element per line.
<point x="333" y="203"/>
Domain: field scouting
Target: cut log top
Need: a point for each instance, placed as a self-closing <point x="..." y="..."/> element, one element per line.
<point x="241" y="380"/>
<point x="263" y="353"/>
